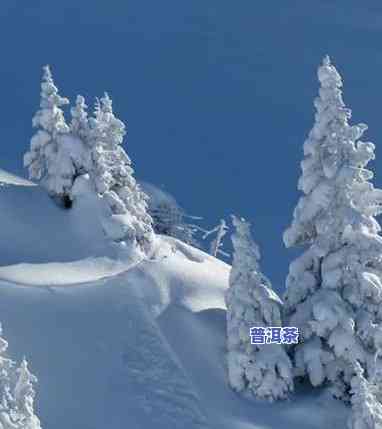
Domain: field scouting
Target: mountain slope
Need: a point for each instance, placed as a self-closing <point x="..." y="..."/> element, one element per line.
<point x="99" y="356"/>
<point x="123" y="343"/>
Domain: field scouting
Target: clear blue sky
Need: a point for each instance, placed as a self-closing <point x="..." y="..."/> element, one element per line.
<point x="217" y="94"/>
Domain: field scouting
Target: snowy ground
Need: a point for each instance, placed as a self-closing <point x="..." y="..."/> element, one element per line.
<point x="122" y="344"/>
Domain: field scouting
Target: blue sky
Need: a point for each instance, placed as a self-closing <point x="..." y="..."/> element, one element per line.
<point x="217" y="94"/>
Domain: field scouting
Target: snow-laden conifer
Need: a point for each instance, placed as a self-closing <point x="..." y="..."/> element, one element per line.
<point x="79" y="125"/>
<point x="16" y="393"/>
<point x="262" y="370"/>
<point x="113" y="178"/>
<point x="47" y="160"/>
<point x="6" y="374"/>
<point x="334" y="289"/>
<point x="24" y="394"/>
<point x="366" y="410"/>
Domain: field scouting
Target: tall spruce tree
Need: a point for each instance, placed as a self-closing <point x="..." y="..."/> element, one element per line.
<point x="334" y="289"/>
<point x="261" y="370"/>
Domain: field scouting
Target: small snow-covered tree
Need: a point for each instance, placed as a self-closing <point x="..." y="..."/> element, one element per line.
<point x="169" y="218"/>
<point x="262" y="370"/>
<point x="79" y="125"/>
<point x="45" y="160"/>
<point x="6" y="373"/>
<point x="334" y="289"/>
<point x="366" y="412"/>
<point x="16" y="393"/>
<point x="24" y="394"/>
<point x="113" y="178"/>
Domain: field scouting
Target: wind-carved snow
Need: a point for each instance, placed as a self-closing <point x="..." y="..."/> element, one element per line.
<point x="10" y="179"/>
<point x="61" y="274"/>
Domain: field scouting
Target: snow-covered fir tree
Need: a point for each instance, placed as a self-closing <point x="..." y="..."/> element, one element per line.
<point x="334" y="289"/>
<point x="366" y="410"/>
<point x="261" y="370"/>
<point x="16" y="393"/>
<point x="79" y="125"/>
<point x="6" y="372"/>
<point x="24" y="394"/>
<point x="47" y="160"/>
<point x="113" y="178"/>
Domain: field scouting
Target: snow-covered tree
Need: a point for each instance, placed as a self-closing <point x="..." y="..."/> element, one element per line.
<point x="334" y="289"/>
<point x="16" y="393"/>
<point x="79" y="125"/>
<point x="6" y="372"/>
<point x="46" y="161"/>
<point x="169" y="218"/>
<point x="24" y="394"/>
<point x="366" y="412"/>
<point x="263" y="370"/>
<point x="113" y="178"/>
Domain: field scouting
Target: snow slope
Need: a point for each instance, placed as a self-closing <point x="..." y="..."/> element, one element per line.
<point x="118" y="343"/>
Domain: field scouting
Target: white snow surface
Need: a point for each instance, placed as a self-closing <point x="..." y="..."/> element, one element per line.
<point x="121" y="343"/>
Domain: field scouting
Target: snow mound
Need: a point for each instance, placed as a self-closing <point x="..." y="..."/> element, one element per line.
<point x="180" y="275"/>
<point x="35" y="230"/>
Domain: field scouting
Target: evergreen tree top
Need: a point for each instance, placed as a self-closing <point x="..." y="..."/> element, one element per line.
<point x="47" y="74"/>
<point x="328" y="74"/>
<point x="106" y="103"/>
<point x="80" y="123"/>
<point x="80" y="102"/>
<point x="326" y="61"/>
<point x="49" y="91"/>
<point x="334" y="180"/>
<point x="246" y="251"/>
<point x="78" y="111"/>
<point x="97" y="107"/>
<point x="104" y="124"/>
